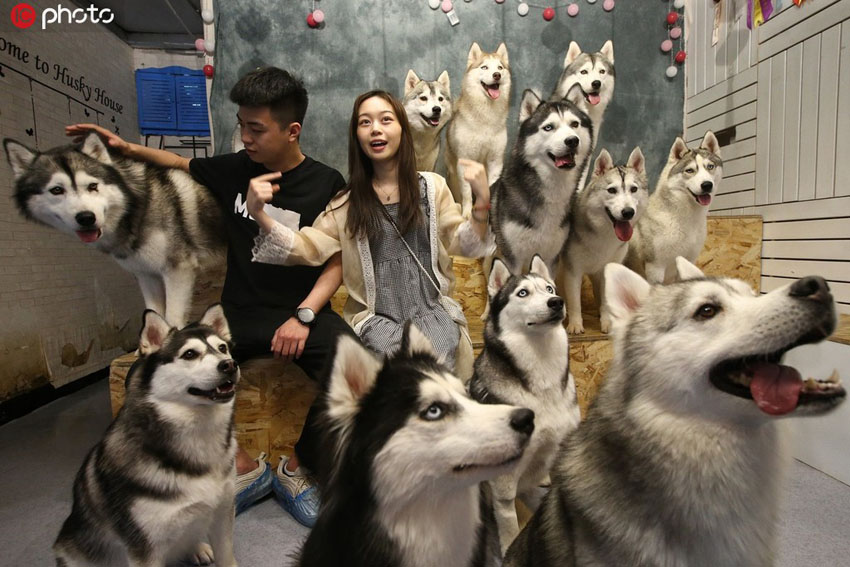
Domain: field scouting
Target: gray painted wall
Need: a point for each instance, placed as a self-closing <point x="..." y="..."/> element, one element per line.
<point x="369" y="44"/>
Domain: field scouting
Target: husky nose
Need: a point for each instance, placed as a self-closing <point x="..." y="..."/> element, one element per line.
<point x="571" y="142"/>
<point x="522" y="420"/>
<point x="706" y="186"/>
<point x="628" y="213"/>
<point x="436" y="110"/>
<point x="85" y="218"/>
<point x="228" y="366"/>
<point x="497" y="76"/>
<point x="596" y="84"/>
<point x="811" y="287"/>
<point x="555" y="303"/>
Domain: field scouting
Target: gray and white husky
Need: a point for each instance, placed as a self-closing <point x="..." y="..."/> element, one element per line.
<point x="429" y="108"/>
<point x="411" y="450"/>
<point x="604" y="215"/>
<point x="479" y="128"/>
<point x="594" y="72"/>
<point x="675" y="220"/>
<point x="525" y="363"/>
<point x="162" y="478"/>
<point x="679" y="460"/>
<point x="157" y="223"/>
<point x="531" y="200"/>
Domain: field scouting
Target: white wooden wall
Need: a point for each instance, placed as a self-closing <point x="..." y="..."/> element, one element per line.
<point x="785" y="88"/>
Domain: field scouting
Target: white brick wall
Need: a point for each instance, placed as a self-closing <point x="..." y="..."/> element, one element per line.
<point x="54" y="292"/>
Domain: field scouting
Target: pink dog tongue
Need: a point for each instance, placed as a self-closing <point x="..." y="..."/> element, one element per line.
<point x="623" y="230"/>
<point x="704" y="199"/>
<point x="89" y="235"/>
<point x="562" y="161"/>
<point x="593" y="99"/>
<point x="775" y="388"/>
<point x="493" y="92"/>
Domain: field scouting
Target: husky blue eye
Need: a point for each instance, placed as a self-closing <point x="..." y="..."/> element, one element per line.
<point x="522" y="293"/>
<point x="689" y="170"/>
<point x="710" y="166"/>
<point x="434" y="412"/>
<point x="189" y="355"/>
<point x="550" y="289"/>
<point x="548" y="128"/>
<point x="56" y="190"/>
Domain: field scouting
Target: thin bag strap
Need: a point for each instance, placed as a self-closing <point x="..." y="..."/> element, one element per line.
<point x="409" y="249"/>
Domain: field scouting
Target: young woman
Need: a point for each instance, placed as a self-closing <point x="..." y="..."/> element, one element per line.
<point x="395" y="228"/>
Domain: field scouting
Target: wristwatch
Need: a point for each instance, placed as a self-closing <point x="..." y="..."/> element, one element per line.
<point x="305" y="316"/>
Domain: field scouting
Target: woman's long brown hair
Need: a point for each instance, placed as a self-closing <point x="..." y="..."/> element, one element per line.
<point x="363" y="212"/>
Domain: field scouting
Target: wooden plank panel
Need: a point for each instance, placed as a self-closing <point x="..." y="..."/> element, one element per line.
<point x="736" y="183"/>
<point x="731" y="118"/>
<point x="708" y="49"/>
<point x="731" y="41"/>
<point x="743" y="131"/>
<point x="832" y="271"/>
<point x="700" y="46"/>
<point x="840" y="291"/>
<point x="744" y="148"/>
<point x="740" y="81"/>
<point x="734" y="100"/>
<point x="827" y="109"/>
<point x="801" y="230"/>
<point x="819" y="209"/>
<point x="777" y="128"/>
<point x="791" y="148"/>
<point x="722" y="71"/>
<point x="690" y="62"/>
<point x="733" y="201"/>
<point x="842" y="145"/>
<point x="809" y="116"/>
<point x="793" y="249"/>
<point x="818" y="23"/>
<point x="733" y="167"/>
<point x="789" y="18"/>
<point x="763" y="129"/>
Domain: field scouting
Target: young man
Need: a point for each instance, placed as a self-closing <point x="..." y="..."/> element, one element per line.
<point x="285" y="307"/>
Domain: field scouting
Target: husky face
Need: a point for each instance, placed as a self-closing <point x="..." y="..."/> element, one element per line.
<point x="192" y="365"/>
<point x="552" y="134"/>
<point x="524" y="304"/>
<point x="594" y="72"/>
<point x="487" y="74"/>
<point x="697" y="171"/>
<point x="428" y="103"/>
<point x="618" y="193"/>
<point x="712" y="346"/>
<point x="71" y="189"/>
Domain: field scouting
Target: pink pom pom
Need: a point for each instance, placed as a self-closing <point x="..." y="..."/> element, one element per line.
<point x="676" y="32"/>
<point x="608" y="5"/>
<point x="666" y="46"/>
<point x="446" y="6"/>
<point x="199" y="44"/>
<point x="318" y="16"/>
<point x="572" y="10"/>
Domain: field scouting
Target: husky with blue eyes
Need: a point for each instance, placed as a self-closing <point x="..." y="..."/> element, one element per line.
<point x="525" y="362"/>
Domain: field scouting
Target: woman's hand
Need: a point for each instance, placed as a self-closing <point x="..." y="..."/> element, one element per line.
<point x="260" y="191"/>
<point x="475" y="174"/>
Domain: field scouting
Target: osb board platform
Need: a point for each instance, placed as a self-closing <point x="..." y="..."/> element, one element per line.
<point x="842" y="333"/>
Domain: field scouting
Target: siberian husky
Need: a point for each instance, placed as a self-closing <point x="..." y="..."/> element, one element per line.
<point x="525" y="362"/>
<point x="157" y="223"/>
<point x="162" y="479"/>
<point x="411" y="453"/>
<point x="675" y="220"/>
<point x="479" y="130"/>
<point x="679" y="459"/>
<point x="531" y="200"/>
<point x="429" y="107"/>
<point x="604" y="215"/>
<point x="595" y="73"/>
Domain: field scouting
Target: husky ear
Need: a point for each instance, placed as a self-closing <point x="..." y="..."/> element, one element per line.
<point x="214" y="317"/>
<point x="353" y="374"/>
<point x="502" y="51"/>
<point x="94" y="147"/>
<point x="414" y="341"/>
<point x="443" y="79"/>
<point x="19" y="156"/>
<point x="530" y="101"/>
<point x="687" y="270"/>
<point x="499" y="274"/>
<point x="576" y="95"/>
<point x="679" y="149"/>
<point x="154" y="331"/>
<point x="608" y="50"/>
<point x="474" y="54"/>
<point x="710" y="143"/>
<point x="637" y="161"/>
<point x="603" y="163"/>
<point x="572" y="53"/>
<point x="625" y="291"/>
<point x="539" y="267"/>
<point x="410" y="81"/>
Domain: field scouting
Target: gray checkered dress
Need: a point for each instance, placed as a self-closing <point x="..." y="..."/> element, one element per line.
<point x="404" y="293"/>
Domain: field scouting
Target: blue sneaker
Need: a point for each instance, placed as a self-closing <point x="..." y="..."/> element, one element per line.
<point x="297" y="493"/>
<point x="254" y="485"/>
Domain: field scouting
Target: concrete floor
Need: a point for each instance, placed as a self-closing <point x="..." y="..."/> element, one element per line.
<point x="41" y="452"/>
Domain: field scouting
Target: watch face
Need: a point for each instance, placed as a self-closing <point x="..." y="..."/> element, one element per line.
<point x="306" y="315"/>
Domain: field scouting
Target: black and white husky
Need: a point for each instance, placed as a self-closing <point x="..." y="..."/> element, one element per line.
<point x="531" y="200"/>
<point x="411" y="452"/>
<point x="428" y="105"/>
<point x="525" y="362"/>
<point x="157" y="223"/>
<point x="680" y="459"/>
<point x="161" y="482"/>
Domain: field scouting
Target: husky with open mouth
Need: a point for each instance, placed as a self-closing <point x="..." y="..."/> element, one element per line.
<point x="479" y="129"/>
<point x="679" y="460"/>
<point x="429" y="108"/>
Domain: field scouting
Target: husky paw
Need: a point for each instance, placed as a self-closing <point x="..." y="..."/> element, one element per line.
<point x="203" y="555"/>
<point x="575" y="328"/>
<point x="605" y="324"/>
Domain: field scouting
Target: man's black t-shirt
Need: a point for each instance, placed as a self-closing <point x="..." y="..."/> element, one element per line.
<point x="304" y="190"/>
